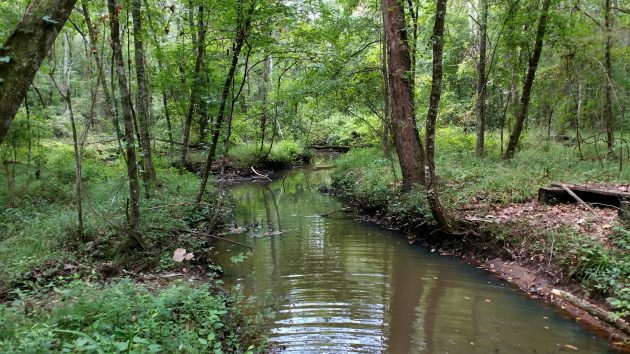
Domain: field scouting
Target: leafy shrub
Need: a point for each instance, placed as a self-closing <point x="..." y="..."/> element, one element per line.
<point x="124" y="317"/>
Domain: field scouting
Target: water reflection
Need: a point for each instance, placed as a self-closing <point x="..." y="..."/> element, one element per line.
<point x="344" y="286"/>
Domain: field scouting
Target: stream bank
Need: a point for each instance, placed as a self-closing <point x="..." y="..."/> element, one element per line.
<point x="339" y="284"/>
<point x="537" y="248"/>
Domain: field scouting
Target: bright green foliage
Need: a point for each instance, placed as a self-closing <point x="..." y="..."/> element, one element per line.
<point x="126" y="318"/>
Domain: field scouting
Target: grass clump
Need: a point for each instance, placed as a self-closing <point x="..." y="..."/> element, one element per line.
<point x="124" y="317"/>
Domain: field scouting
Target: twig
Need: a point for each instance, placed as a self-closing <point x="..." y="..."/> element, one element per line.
<point x="218" y="237"/>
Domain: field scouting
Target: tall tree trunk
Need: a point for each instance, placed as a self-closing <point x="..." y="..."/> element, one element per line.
<point x="148" y="174"/>
<point x="528" y="84"/>
<point x="159" y="58"/>
<point x="93" y="37"/>
<point x="242" y="33"/>
<point x="480" y="104"/>
<point x="25" y="49"/>
<point x="386" y="124"/>
<point x="125" y="97"/>
<point x="433" y="197"/>
<point x="265" y="95"/>
<point x="406" y="138"/>
<point x="608" y="113"/>
<point x="194" y="90"/>
<point x="66" y="95"/>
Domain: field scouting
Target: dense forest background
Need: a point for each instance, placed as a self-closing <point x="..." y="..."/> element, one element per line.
<point x="135" y="105"/>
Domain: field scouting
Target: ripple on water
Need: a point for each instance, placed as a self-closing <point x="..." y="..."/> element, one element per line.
<point x="342" y="286"/>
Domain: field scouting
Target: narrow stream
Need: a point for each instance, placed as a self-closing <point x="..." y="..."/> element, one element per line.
<point x="340" y="285"/>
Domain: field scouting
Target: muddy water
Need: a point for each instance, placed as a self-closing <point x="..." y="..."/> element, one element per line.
<point x="340" y="285"/>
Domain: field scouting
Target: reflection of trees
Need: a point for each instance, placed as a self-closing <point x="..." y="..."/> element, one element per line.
<point x="409" y="284"/>
<point x="272" y="210"/>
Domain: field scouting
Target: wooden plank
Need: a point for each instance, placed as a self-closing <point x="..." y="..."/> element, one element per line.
<point x="556" y="194"/>
<point x="596" y="190"/>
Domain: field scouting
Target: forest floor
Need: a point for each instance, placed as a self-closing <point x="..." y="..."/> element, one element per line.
<point x="63" y="291"/>
<point x="499" y="223"/>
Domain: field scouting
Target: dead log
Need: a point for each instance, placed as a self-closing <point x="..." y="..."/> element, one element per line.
<point x="556" y="194"/>
<point x="593" y="310"/>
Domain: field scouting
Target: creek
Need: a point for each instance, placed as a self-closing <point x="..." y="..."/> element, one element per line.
<point x="340" y="285"/>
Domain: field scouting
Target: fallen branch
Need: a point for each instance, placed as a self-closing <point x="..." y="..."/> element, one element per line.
<point x="593" y="310"/>
<point x="578" y="199"/>
<point x="219" y="238"/>
<point x="259" y="174"/>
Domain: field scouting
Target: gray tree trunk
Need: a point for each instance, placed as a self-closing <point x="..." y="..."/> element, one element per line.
<point x="125" y="97"/>
<point x="433" y="197"/>
<point x="480" y="104"/>
<point x="148" y="174"/>
<point x="24" y="51"/>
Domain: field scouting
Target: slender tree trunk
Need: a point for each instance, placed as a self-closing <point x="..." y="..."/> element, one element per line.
<point x="406" y="138"/>
<point x="578" y="114"/>
<point x="481" y="80"/>
<point x="386" y="124"/>
<point x="241" y="35"/>
<point x="93" y="37"/>
<point x="25" y="49"/>
<point x="528" y="84"/>
<point x="194" y="91"/>
<point x="148" y="174"/>
<point x="66" y="95"/>
<point x="132" y="166"/>
<point x="159" y="58"/>
<point x="265" y="96"/>
<point x="608" y="112"/>
<point x="433" y="197"/>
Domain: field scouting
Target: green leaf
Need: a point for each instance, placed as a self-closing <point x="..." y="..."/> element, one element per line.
<point x="155" y="348"/>
<point x="202" y="341"/>
<point x="121" y="346"/>
<point x="5" y="59"/>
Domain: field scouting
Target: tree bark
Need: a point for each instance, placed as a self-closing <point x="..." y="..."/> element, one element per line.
<point x="125" y="97"/>
<point x="265" y="94"/>
<point x="93" y="37"/>
<point x="194" y="91"/>
<point x="25" y="49"/>
<point x="433" y="197"/>
<point x="148" y="174"/>
<point x="66" y="95"/>
<point x="242" y="33"/>
<point x="608" y="113"/>
<point x="528" y="83"/>
<point x="480" y="104"/>
<point x="406" y="138"/>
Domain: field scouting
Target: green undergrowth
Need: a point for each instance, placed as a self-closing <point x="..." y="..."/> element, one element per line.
<point x="283" y="154"/>
<point x="123" y="317"/>
<point x="39" y="227"/>
<point x="463" y="178"/>
<point x="371" y="180"/>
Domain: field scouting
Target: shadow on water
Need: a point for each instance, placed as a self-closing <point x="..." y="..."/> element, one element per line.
<point x="341" y="285"/>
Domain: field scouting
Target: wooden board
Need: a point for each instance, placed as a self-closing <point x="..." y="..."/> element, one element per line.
<point x="555" y="194"/>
